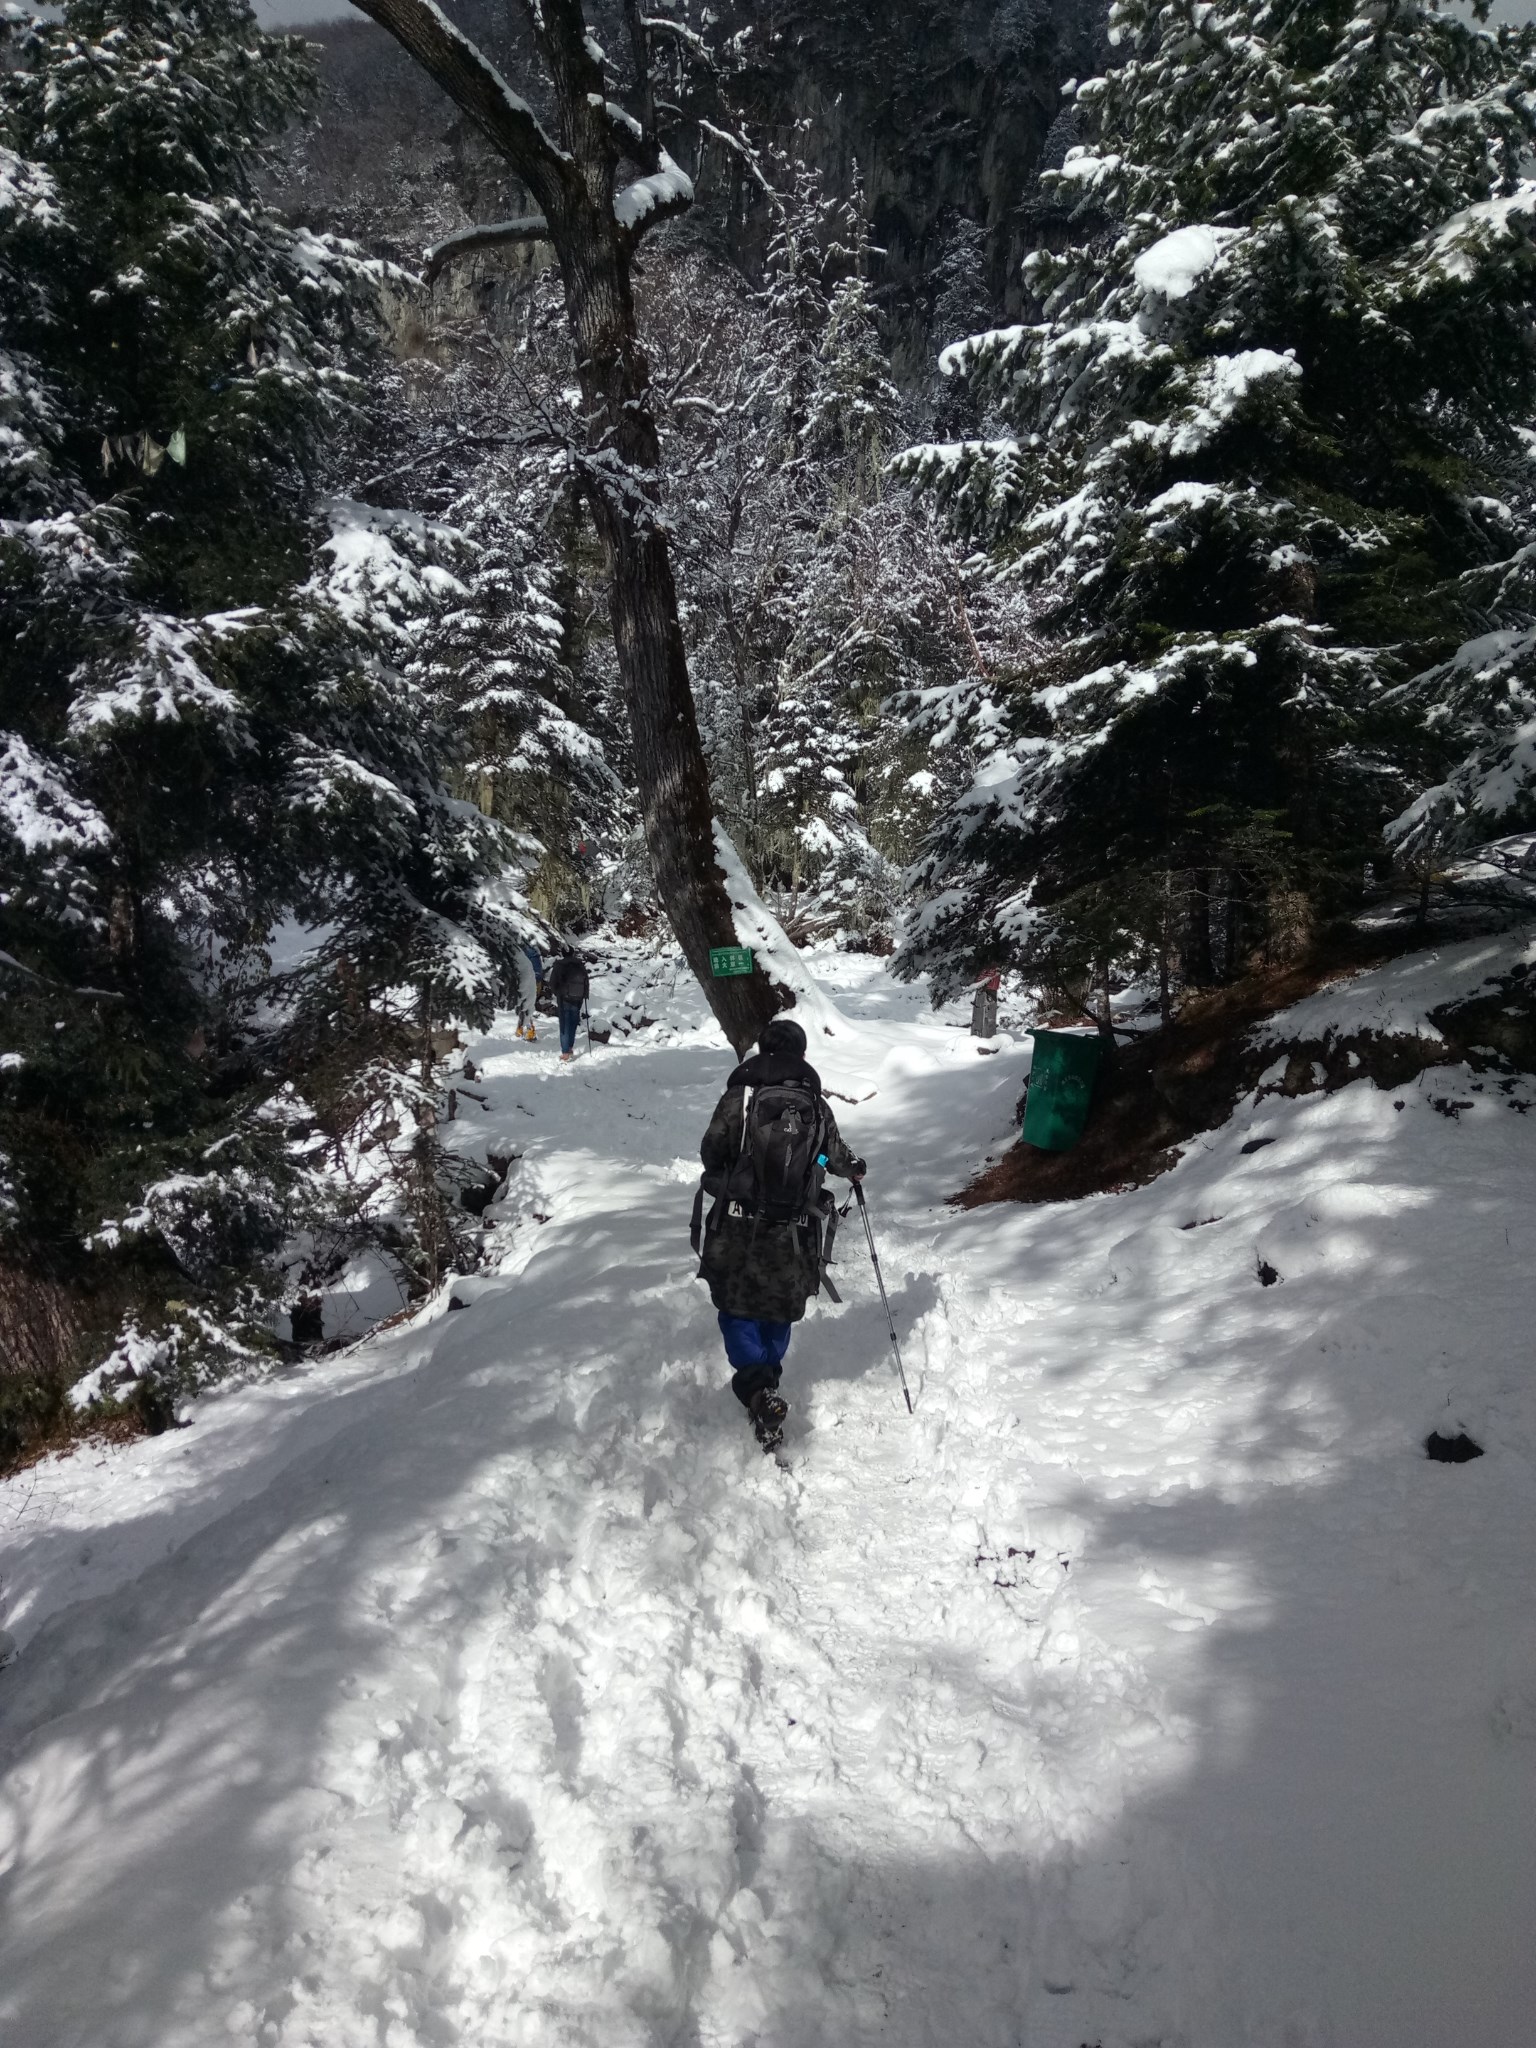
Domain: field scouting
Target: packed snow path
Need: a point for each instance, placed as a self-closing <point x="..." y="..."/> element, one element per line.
<point x="485" y="1685"/>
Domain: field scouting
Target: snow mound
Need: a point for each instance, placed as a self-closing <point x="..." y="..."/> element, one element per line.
<point x="1396" y="999"/>
<point x="1172" y="267"/>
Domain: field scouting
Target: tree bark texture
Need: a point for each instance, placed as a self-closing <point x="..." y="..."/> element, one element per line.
<point x="573" y="177"/>
<point x="1198" y="967"/>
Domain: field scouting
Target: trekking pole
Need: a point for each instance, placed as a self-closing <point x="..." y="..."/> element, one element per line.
<point x="880" y="1283"/>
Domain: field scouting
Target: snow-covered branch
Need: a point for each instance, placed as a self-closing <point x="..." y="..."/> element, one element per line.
<point x="496" y="234"/>
<point x="475" y="85"/>
<point x="648" y="201"/>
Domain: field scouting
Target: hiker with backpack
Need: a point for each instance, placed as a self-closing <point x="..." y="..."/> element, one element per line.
<point x="569" y="985"/>
<point x="767" y="1239"/>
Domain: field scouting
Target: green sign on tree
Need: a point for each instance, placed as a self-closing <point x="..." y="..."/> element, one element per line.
<point x="725" y="960"/>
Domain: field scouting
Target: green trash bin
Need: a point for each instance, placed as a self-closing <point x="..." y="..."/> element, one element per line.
<point x="1061" y="1079"/>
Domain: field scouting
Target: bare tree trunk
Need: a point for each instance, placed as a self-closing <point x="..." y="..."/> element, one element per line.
<point x="744" y="715"/>
<point x="648" y="638"/>
<point x="425" y="1151"/>
<point x="1426" y="883"/>
<point x="595" y="228"/>
<point x="1199" y="970"/>
<point x="1232" y="931"/>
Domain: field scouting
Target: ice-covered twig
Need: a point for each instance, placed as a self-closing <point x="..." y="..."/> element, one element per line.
<point x="738" y="146"/>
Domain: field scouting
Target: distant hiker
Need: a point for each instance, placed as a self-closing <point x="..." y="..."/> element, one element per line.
<point x="530" y="972"/>
<point x="766" y="1241"/>
<point x="569" y="985"/>
<point x="984" y="1004"/>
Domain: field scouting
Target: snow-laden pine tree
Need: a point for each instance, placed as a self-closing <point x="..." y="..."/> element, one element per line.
<point x="962" y="305"/>
<point x="1255" y="436"/>
<point x="1476" y="713"/>
<point x="184" y="349"/>
<point x="534" y="744"/>
<point x="489" y="578"/>
<point x="819" y="740"/>
<point x="201" y="745"/>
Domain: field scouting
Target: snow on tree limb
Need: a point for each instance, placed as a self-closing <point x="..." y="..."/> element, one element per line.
<point x="38" y="809"/>
<point x="663" y="24"/>
<point x="9" y="964"/>
<point x="779" y="958"/>
<point x="742" y="149"/>
<point x="668" y="190"/>
<point x="475" y="85"/>
<point x="496" y="234"/>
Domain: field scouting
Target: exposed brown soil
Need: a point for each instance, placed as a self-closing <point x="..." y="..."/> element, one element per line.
<point x="70" y="1432"/>
<point x="1187" y="1077"/>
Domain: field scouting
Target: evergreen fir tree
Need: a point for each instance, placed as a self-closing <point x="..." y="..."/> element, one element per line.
<point x="1253" y="432"/>
<point x="853" y="406"/>
<point x="962" y="305"/>
<point x="1476" y="714"/>
<point x="201" y="738"/>
<point x="535" y="752"/>
<point x="486" y="572"/>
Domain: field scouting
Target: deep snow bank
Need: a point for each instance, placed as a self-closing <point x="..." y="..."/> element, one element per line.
<point x="1150" y="1686"/>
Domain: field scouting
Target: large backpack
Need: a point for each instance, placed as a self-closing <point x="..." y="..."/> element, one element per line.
<point x="776" y="1176"/>
<point x="778" y="1171"/>
<point x="568" y="981"/>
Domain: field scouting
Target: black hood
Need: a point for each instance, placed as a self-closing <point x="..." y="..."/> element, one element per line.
<point x="770" y="1069"/>
<point x="783" y="1035"/>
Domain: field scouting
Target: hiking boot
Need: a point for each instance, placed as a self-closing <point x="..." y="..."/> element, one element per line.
<point x="566" y="1058"/>
<point x="768" y="1408"/>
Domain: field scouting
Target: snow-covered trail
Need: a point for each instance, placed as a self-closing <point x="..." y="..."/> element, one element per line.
<point x="487" y="1686"/>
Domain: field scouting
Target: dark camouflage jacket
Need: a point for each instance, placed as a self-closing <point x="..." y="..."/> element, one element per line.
<point x="754" y="1267"/>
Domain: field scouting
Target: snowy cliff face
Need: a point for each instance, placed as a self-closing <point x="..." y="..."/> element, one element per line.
<point x="941" y="112"/>
<point x="944" y="111"/>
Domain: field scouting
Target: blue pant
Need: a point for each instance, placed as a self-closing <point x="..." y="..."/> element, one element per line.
<point x="755" y="1349"/>
<point x="570" y="1017"/>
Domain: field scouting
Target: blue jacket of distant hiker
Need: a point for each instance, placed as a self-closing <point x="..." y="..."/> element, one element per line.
<point x="755" y="1266"/>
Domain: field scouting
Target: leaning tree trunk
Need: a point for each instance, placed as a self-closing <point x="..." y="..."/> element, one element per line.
<point x="648" y="638"/>
<point x="595" y="230"/>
